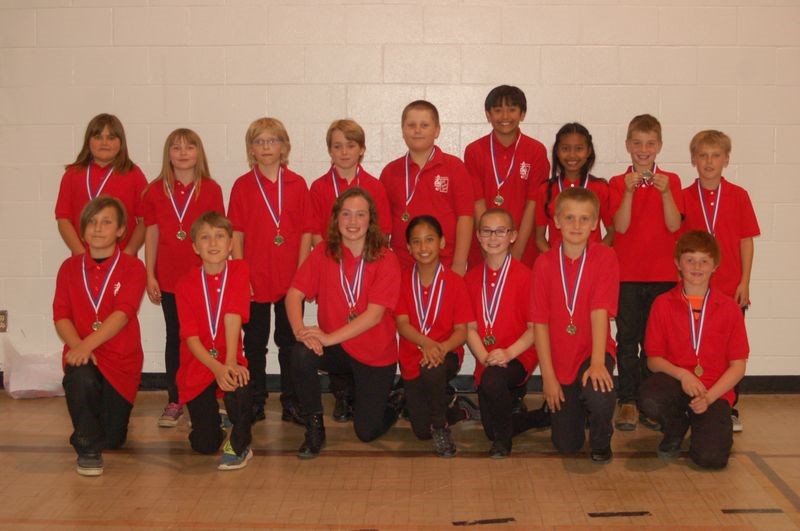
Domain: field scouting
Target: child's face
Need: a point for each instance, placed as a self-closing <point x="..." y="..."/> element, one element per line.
<point x="573" y="152"/>
<point x="710" y="161"/>
<point x="267" y="149"/>
<point x="103" y="230"/>
<point x="496" y="234"/>
<point x="576" y="220"/>
<point x="345" y="154"/>
<point x="420" y="131"/>
<point x="643" y="147"/>
<point x="213" y="244"/>
<point x="696" y="269"/>
<point x="505" y="118"/>
<point x="104" y="146"/>
<point x="354" y="219"/>
<point x="182" y="155"/>
<point x="425" y="244"/>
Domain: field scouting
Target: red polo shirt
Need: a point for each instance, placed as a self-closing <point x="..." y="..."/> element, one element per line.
<point x="193" y="377"/>
<point x="531" y="168"/>
<point x="120" y="358"/>
<point x="323" y="195"/>
<point x="513" y="313"/>
<point x="443" y="191"/>
<point x="599" y="290"/>
<point x="548" y="192"/>
<point x="724" y="336"/>
<point x="454" y="309"/>
<point x="736" y="221"/>
<point x="271" y="266"/>
<point x="174" y="257"/>
<point x="73" y="196"/>
<point x="318" y="277"/>
<point x="645" y="249"/>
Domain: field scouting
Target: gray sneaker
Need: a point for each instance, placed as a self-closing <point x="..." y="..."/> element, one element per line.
<point x="90" y="465"/>
<point x="443" y="442"/>
<point x="231" y="461"/>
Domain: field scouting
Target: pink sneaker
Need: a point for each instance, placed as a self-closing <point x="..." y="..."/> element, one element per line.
<point x="169" y="418"/>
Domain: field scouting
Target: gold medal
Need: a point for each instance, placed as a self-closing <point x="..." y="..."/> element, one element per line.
<point x="351" y="316"/>
<point x="405" y="217"/>
<point x="214" y="352"/>
<point x="647" y="176"/>
<point x="96" y="325"/>
<point x="698" y="371"/>
<point x="278" y="240"/>
<point x="489" y="340"/>
<point x="498" y="200"/>
<point x="181" y="235"/>
<point x="572" y="329"/>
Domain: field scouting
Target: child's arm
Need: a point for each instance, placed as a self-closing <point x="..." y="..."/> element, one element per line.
<point x="608" y="239"/>
<point x="622" y="217"/>
<point x="463" y="239"/>
<point x="237" y="253"/>
<point x="551" y="388"/>
<point x="501" y="356"/>
<point x="432" y="351"/>
<point x="224" y="375"/>
<point x="690" y="384"/>
<point x="81" y="350"/>
<point x="475" y="343"/>
<point x="672" y="217"/>
<point x="294" y="313"/>
<point x="363" y="322"/>
<point x="305" y="247"/>
<point x="70" y="236"/>
<point x="746" y="250"/>
<point x="726" y="382"/>
<point x="137" y="238"/>
<point x="597" y="371"/>
<point x="233" y="332"/>
<point x="541" y="240"/>
<point x="525" y="230"/>
<point x="150" y="254"/>
<point x="480" y="208"/>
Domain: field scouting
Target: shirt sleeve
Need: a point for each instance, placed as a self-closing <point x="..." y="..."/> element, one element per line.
<point x="677" y="193"/>
<point x="62" y="307"/>
<point x="462" y="311"/>
<point x="616" y="189"/>
<point x="605" y="295"/>
<point x="217" y="201"/>
<point x="539" y="293"/>
<point x="385" y="289"/>
<point x="306" y="279"/>
<point x="139" y="185"/>
<point x="463" y="195"/>
<point x="314" y="221"/>
<point x="239" y="290"/>
<point x="186" y="315"/>
<point x="541" y="167"/>
<point x="656" y="343"/>
<point x="383" y="208"/>
<point x="472" y="164"/>
<point x="64" y="202"/>
<point x="541" y="199"/>
<point x="738" y="347"/>
<point x="749" y="222"/>
<point x="148" y="207"/>
<point x="236" y="211"/>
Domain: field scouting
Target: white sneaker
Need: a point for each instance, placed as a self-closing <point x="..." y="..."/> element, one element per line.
<point x="737" y="424"/>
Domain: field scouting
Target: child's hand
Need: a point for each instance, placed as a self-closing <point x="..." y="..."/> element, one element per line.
<point x="499" y="357"/>
<point x="77" y="357"/>
<point x="226" y="377"/>
<point x="432" y="354"/>
<point x="633" y="180"/>
<point x="241" y="374"/>
<point x="692" y="385"/>
<point x="742" y="295"/>
<point x="309" y="341"/>
<point x="661" y="183"/>
<point x="153" y="290"/>
<point x="553" y="394"/>
<point x="699" y="404"/>
<point x="315" y="333"/>
<point x="601" y="379"/>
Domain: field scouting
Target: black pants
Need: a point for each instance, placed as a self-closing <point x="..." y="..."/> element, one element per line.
<point x="99" y="413"/>
<point x="207" y="435"/>
<point x="256" y="338"/>
<point x="172" y="347"/>
<point x="568" y="430"/>
<point x="499" y="386"/>
<point x="427" y="397"/>
<point x="635" y="301"/>
<point x="372" y="416"/>
<point x="662" y="398"/>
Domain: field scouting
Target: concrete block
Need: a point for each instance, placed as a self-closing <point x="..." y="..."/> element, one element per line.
<point x="769" y="105"/>
<point x="384" y="24"/>
<point x="461" y="24"/>
<point x="343" y="64"/>
<point x="459" y="103"/>
<point x="74" y="27"/>
<point x="761" y="25"/>
<point x="109" y="65"/>
<point x="609" y="24"/>
<point x="320" y="24"/>
<point x="21" y="144"/>
<point x="658" y="65"/>
<point x="421" y="64"/>
<point x="151" y="26"/>
<point x="609" y="105"/>
<point x="537" y="24"/>
<point x="785" y="224"/>
<point x="186" y="65"/>
<point x="249" y="65"/>
<point x="699" y="104"/>
<point x="787" y="141"/>
<point x="307" y="103"/>
<point x="26" y="258"/>
<point x="736" y="66"/>
<point x="152" y="104"/>
<point x="690" y="25"/>
<point x="787" y="71"/>
<point x="380" y="103"/>
<point x="227" y="103"/>
<point x="229" y="25"/>
<point x="494" y="64"/>
<point x="35" y="67"/>
<point x="580" y="65"/>
<point x="18" y="28"/>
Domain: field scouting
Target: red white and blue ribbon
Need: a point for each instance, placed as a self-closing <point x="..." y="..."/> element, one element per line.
<point x="275" y="214"/>
<point x="181" y="212"/>
<point x="335" y="179"/>
<point x="500" y="182"/>
<point x="584" y="184"/>
<point x="696" y="325"/>
<point x="424" y="310"/>
<point x="491" y="305"/>
<point x="409" y="190"/>
<point x="96" y="302"/>
<point x="213" y="315"/>
<point x="102" y="183"/>
<point x="571" y="298"/>
<point x="352" y="292"/>
<point x="711" y="224"/>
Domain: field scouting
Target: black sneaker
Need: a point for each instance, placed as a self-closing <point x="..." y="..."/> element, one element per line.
<point x="669" y="447"/>
<point x="601" y="456"/>
<point x="314" y="438"/>
<point x="291" y="413"/>
<point x="90" y="465"/>
<point x="343" y="408"/>
<point x="500" y="449"/>
<point x="258" y="413"/>
<point x="443" y="442"/>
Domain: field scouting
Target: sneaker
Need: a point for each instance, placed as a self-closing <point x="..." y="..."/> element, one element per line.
<point x="649" y="423"/>
<point x="443" y="442"/>
<point x="224" y="420"/>
<point x="737" y="424"/>
<point x="601" y="456"/>
<point x="669" y="447"/>
<point x="231" y="461"/>
<point x="500" y="449"/>
<point x="627" y="416"/>
<point x="291" y="413"/>
<point x="90" y="465"/>
<point x="258" y="413"/>
<point x="169" y="418"/>
<point x="469" y="409"/>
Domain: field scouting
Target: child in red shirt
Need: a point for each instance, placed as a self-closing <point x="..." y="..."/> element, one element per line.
<point x="428" y="181"/>
<point x="506" y="168"/>
<point x="697" y="347"/>
<point x="213" y="303"/>
<point x="97" y="297"/>
<point x="102" y="167"/>
<point x="353" y="276"/>
<point x="432" y="316"/>
<point x="575" y="291"/>
<point x="573" y="158"/>
<point x="269" y="211"/>
<point x="501" y="339"/>
<point x="183" y="190"/>
<point x="647" y="207"/>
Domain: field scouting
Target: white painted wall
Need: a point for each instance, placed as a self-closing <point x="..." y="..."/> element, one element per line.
<point x="214" y="65"/>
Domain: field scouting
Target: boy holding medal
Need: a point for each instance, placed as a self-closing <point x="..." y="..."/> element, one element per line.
<point x="575" y="292"/>
<point x="94" y="309"/>
<point x="697" y="347"/>
<point x="213" y="303"/>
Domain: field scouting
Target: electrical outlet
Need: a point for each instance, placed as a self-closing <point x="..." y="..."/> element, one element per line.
<point x="3" y="321"/>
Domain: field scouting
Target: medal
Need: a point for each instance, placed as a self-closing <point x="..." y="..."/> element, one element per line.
<point x="697" y="330"/>
<point x="424" y="310"/>
<point x="409" y="189"/>
<point x="498" y="199"/>
<point x="96" y="325"/>
<point x="351" y="315"/>
<point x="571" y="299"/>
<point x="273" y="213"/>
<point x="213" y="352"/>
<point x="405" y="217"/>
<point x="711" y="224"/>
<point x="278" y="240"/>
<point x="180" y="212"/>
<point x="181" y="235"/>
<point x="102" y="183"/>
<point x="492" y="304"/>
<point x="698" y="371"/>
<point x="352" y="292"/>
<point x="96" y="302"/>
<point x="647" y="176"/>
<point x="211" y="313"/>
<point x="572" y="329"/>
<point x="489" y="340"/>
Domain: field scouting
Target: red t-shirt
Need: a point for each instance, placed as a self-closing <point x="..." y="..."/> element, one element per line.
<point x="724" y="336"/>
<point x="174" y="257"/>
<point x="548" y="192"/>
<point x="323" y="195"/>
<point x="599" y="290"/>
<point x="73" y="195"/>
<point x="454" y="309"/>
<point x="193" y="377"/>
<point x="120" y="358"/>
<point x="513" y="312"/>
<point x="645" y="249"/>
<point x="531" y="168"/>
<point x="318" y="277"/>
<point x="443" y="191"/>
<point x="271" y="266"/>
<point x="736" y="221"/>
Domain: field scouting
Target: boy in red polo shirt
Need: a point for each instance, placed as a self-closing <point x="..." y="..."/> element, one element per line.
<point x="269" y="210"/>
<point x="428" y="181"/>
<point x="697" y="347"/>
<point x="94" y="309"/>
<point x="506" y="168"/>
<point x="724" y="210"/>
<point x="575" y="291"/>
<point x="647" y="206"/>
<point x="213" y="303"/>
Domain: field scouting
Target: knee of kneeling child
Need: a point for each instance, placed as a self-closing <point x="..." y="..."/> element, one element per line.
<point x="709" y="460"/>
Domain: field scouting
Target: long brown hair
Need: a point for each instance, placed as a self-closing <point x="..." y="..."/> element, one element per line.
<point x="375" y="242"/>
<point x="122" y="162"/>
<point x="167" y="175"/>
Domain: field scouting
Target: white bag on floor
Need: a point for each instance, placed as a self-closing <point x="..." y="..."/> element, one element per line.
<point x="31" y="375"/>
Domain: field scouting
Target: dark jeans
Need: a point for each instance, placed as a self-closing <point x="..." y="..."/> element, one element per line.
<point x="635" y="301"/>
<point x="207" y="435"/>
<point x="662" y="398"/>
<point x="568" y="430"/>
<point x="99" y="413"/>
<point x="256" y="338"/>
<point x="372" y="415"/>
<point x="172" y="347"/>
<point x="427" y="397"/>
<point x="499" y="386"/>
